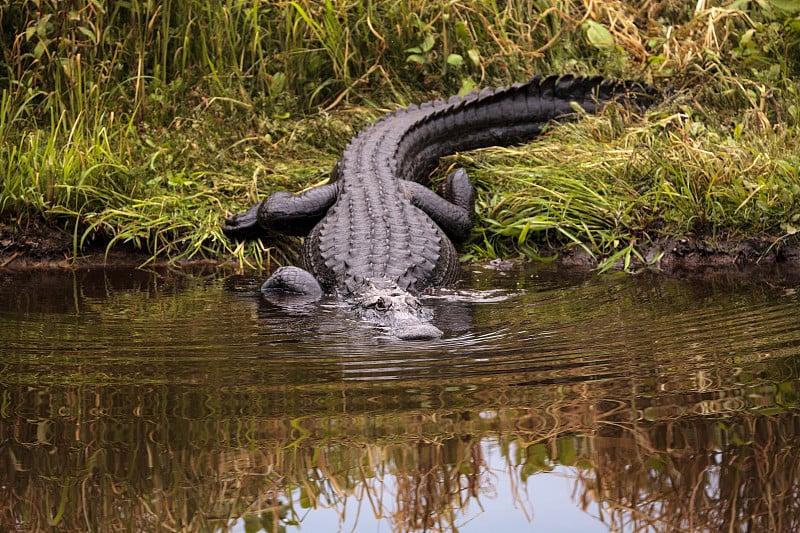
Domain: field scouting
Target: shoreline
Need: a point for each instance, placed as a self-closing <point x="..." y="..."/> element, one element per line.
<point x="42" y="247"/>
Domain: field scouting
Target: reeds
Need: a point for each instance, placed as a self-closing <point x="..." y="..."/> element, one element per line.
<point x="610" y="192"/>
<point x="146" y="122"/>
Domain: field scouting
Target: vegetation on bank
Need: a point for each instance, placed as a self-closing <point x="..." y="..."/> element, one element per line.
<point x="144" y="123"/>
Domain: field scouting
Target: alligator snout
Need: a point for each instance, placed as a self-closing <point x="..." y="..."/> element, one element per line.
<point x="418" y="332"/>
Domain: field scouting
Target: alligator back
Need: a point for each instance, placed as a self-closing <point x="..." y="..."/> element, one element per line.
<point x="374" y="232"/>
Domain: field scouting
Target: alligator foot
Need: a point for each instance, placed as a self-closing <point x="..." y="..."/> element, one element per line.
<point x="243" y="226"/>
<point x="292" y="281"/>
<point x="282" y="212"/>
<point x="297" y="214"/>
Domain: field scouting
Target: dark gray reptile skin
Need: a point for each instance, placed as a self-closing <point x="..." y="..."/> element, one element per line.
<point x="374" y="225"/>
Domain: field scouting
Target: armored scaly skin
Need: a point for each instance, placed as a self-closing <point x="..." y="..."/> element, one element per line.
<point x="374" y="228"/>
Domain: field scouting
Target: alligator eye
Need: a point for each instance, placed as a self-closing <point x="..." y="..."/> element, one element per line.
<point x="382" y="305"/>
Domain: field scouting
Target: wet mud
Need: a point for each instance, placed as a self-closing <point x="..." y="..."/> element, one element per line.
<point x="38" y="245"/>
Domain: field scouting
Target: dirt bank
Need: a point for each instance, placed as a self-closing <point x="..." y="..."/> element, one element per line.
<point x="693" y="253"/>
<point x="40" y="246"/>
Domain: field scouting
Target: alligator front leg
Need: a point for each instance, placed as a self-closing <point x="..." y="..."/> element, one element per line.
<point x="455" y="211"/>
<point x="283" y="212"/>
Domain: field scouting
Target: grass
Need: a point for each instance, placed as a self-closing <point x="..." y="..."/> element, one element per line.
<point x="610" y="191"/>
<point x="145" y="123"/>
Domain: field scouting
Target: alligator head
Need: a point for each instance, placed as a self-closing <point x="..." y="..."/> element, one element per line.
<point x="394" y="309"/>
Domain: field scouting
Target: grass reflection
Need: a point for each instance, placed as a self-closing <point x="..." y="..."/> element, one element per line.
<point x="158" y="459"/>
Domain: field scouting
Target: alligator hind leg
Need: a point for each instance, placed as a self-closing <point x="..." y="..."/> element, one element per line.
<point x="284" y="212"/>
<point x="455" y="211"/>
<point x="458" y="189"/>
<point x="292" y="281"/>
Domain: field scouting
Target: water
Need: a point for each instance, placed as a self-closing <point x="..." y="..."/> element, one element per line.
<point x="145" y="401"/>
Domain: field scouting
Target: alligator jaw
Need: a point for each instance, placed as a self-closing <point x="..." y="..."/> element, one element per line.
<point x="397" y="311"/>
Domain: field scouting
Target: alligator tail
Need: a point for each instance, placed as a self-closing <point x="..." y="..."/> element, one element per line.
<point x="505" y="116"/>
<point x="544" y="98"/>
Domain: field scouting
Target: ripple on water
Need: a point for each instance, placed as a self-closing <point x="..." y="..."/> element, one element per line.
<point x="534" y="326"/>
<point x="632" y="379"/>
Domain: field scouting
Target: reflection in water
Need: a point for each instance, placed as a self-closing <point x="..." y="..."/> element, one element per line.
<point x="151" y="402"/>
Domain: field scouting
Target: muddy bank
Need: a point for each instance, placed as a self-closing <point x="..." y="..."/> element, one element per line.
<point x="693" y="253"/>
<point x="41" y="246"/>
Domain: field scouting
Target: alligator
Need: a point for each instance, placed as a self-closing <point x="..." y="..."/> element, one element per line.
<point x="374" y="234"/>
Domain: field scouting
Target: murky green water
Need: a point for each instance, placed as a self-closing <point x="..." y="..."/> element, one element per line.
<point x="155" y="402"/>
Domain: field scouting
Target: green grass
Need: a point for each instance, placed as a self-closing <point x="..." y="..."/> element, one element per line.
<point x="145" y="123"/>
<point x="610" y="192"/>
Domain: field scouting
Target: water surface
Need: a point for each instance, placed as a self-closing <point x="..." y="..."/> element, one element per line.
<point x="158" y="401"/>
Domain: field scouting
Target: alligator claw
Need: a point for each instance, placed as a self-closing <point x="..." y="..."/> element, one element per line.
<point x="243" y="226"/>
